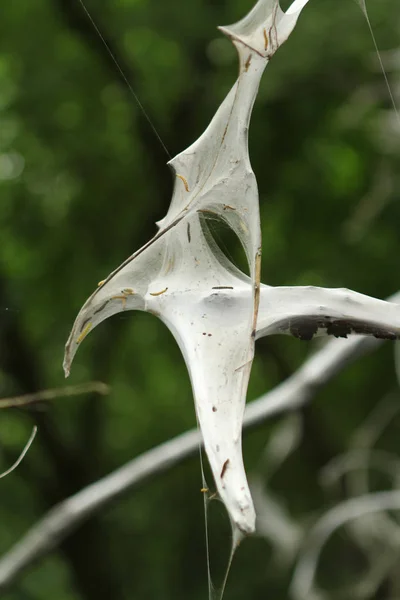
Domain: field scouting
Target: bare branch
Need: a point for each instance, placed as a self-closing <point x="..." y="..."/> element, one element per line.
<point x="297" y="390"/>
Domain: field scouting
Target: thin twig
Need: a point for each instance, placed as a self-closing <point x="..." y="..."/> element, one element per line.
<point x="22" y="455"/>
<point x="46" y="395"/>
<point x="355" y="508"/>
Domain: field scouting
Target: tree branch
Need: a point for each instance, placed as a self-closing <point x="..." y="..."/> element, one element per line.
<point x="63" y="518"/>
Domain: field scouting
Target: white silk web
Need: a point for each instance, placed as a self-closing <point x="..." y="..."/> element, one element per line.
<point x="215" y="311"/>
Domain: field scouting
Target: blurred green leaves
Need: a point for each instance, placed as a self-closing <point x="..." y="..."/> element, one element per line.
<point x="94" y="177"/>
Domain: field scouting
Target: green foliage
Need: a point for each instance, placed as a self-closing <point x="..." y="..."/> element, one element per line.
<point x="71" y="139"/>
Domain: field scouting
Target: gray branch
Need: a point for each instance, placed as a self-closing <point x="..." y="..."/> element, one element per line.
<point x="297" y="390"/>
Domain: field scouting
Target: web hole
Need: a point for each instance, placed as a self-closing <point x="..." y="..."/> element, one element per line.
<point x="225" y="243"/>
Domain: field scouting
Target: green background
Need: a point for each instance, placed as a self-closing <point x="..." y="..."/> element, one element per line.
<point x="83" y="180"/>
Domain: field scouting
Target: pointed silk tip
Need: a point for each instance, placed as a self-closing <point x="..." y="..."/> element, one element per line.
<point x="226" y="31"/>
<point x="243" y="528"/>
<point x="66" y="367"/>
<point x="237" y="536"/>
<point x="243" y="520"/>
